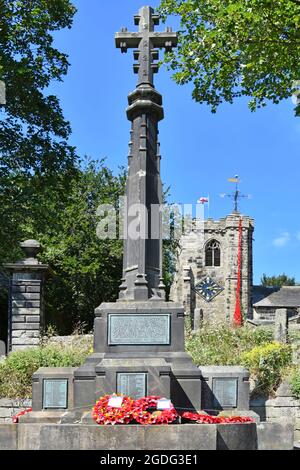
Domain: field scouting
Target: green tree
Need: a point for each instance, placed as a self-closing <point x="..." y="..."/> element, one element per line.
<point x="277" y="281"/>
<point x="234" y="48"/>
<point x="85" y="269"/>
<point x="33" y="131"/>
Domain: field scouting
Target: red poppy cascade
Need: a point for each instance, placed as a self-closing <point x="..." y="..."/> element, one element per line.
<point x="207" y="419"/>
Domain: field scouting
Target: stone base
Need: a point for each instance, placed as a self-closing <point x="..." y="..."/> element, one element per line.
<point x="131" y="437"/>
<point x="174" y="376"/>
<point x="239" y="397"/>
<point x="276" y="436"/>
<point x="170" y="372"/>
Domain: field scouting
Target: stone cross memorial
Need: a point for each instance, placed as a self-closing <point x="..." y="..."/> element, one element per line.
<point x="139" y="340"/>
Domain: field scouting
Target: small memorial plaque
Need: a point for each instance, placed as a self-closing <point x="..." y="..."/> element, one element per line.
<point x="225" y="392"/>
<point x="115" y="402"/>
<point x="139" y="329"/>
<point x="132" y="385"/>
<point x="164" y="404"/>
<point x="55" y="394"/>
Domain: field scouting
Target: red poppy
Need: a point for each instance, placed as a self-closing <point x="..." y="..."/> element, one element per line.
<point x="145" y="412"/>
<point x="104" y="414"/>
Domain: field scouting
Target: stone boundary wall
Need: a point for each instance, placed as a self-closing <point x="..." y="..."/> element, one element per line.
<point x="265" y="436"/>
<point x="283" y="407"/>
<point x="9" y="408"/>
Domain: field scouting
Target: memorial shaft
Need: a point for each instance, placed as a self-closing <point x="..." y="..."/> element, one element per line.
<point x="142" y="270"/>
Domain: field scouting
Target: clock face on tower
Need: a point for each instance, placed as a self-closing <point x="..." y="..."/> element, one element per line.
<point x="208" y="289"/>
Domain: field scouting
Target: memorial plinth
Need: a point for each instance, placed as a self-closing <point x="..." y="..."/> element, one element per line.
<point x="145" y="342"/>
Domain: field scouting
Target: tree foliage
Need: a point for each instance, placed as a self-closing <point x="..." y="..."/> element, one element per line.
<point x="234" y="48"/>
<point x="33" y="131"/>
<point x="34" y="148"/>
<point x="85" y="270"/>
<point x="277" y="281"/>
<point x="46" y="193"/>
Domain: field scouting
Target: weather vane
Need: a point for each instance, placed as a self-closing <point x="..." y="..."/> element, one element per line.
<point x="236" y="195"/>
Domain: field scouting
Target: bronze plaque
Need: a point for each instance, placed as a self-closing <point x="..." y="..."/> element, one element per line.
<point x="225" y="392"/>
<point x="138" y="329"/>
<point x="55" y="394"/>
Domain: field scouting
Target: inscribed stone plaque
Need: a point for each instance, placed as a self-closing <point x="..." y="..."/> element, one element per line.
<point x="138" y="329"/>
<point x="132" y="385"/>
<point x="55" y="393"/>
<point x="225" y="392"/>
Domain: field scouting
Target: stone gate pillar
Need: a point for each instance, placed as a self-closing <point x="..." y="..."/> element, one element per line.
<point x="26" y="303"/>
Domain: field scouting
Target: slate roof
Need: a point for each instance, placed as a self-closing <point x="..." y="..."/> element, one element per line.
<point x="285" y="297"/>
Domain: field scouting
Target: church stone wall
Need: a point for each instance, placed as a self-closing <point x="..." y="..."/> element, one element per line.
<point x="191" y="268"/>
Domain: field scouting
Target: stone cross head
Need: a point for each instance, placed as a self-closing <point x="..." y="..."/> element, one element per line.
<point x="146" y="42"/>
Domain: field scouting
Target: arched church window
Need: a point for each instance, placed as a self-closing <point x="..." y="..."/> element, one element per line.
<point x="213" y="253"/>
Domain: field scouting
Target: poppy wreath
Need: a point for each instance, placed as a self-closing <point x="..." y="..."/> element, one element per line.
<point x="206" y="419"/>
<point x="104" y="414"/>
<point x="146" y="413"/>
<point x="15" y="419"/>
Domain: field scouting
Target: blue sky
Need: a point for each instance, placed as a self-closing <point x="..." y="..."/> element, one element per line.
<point x="200" y="150"/>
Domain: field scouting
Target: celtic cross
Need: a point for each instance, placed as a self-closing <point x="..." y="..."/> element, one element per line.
<point x="146" y="42"/>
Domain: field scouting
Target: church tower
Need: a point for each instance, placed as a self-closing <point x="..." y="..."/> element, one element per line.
<point x="207" y="269"/>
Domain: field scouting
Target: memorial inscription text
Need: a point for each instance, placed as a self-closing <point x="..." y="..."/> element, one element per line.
<point x="138" y="329"/>
<point x="132" y="385"/>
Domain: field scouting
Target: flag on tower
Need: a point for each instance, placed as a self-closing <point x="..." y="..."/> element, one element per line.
<point x="203" y="200"/>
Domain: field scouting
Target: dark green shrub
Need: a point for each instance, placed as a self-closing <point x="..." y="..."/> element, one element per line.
<point x="266" y="364"/>
<point x="295" y="383"/>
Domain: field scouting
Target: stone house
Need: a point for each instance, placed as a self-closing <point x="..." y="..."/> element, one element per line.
<point x="266" y="300"/>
